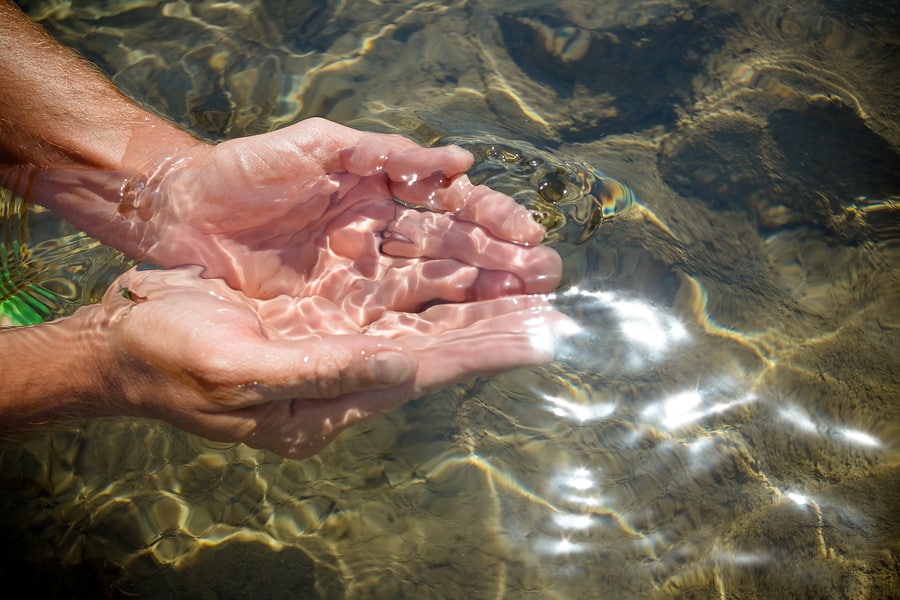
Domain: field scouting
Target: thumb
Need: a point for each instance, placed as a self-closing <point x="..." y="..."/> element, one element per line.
<point x="327" y="368"/>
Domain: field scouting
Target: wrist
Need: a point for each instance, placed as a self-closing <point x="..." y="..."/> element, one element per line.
<point x="66" y="370"/>
<point x="118" y="206"/>
<point x="153" y="166"/>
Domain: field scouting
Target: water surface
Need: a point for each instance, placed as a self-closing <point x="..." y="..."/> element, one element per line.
<point x="722" y="179"/>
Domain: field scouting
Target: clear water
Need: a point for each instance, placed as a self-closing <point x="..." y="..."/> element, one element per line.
<point x="722" y="179"/>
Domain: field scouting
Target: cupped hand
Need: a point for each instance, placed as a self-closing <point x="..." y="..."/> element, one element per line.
<point x="319" y="205"/>
<point x="289" y="373"/>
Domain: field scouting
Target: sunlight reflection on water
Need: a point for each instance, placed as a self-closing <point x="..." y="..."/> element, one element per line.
<point x="723" y="422"/>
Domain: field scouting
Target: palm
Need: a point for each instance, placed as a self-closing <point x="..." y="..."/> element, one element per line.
<point x="288" y="374"/>
<point x="311" y="210"/>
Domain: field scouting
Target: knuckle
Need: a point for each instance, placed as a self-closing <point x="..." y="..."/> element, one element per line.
<point x="328" y="375"/>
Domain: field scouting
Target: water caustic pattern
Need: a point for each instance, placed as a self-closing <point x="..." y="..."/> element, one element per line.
<point x="47" y="268"/>
<point x="722" y="180"/>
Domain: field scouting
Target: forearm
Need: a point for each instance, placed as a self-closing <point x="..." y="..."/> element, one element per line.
<point x="56" y="372"/>
<point x="68" y="138"/>
<point x="56" y="109"/>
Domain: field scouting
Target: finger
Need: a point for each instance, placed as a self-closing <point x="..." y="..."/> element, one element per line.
<point x="510" y="341"/>
<point x="408" y="165"/>
<point x="408" y="288"/>
<point x="402" y="160"/>
<point x="499" y="213"/>
<point x="433" y="235"/>
<point x="496" y="284"/>
<point x="441" y="318"/>
<point x="356" y="234"/>
<point x="256" y="371"/>
<point x="403" y="287"/>
<point x="484" y="343"/>
<point x="375" y="282"/>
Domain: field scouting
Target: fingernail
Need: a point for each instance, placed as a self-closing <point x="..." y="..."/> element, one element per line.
<point x="390" y="367"/>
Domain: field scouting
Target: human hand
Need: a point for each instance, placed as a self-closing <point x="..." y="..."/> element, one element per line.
<point x="288" y="374"/>
<point x="312" y="206"/>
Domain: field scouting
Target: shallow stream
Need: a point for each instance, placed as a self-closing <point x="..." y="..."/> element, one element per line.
<point x="722" y="179"/>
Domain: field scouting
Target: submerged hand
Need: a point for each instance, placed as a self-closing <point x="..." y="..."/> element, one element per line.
<point x="288" y="374"/>
<point x="313" y="206"/>
<point x="350" y="302"/>
<point x="342" y="272"/>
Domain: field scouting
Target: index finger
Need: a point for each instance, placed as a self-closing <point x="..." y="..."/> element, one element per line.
<point x="403" y="160"/>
